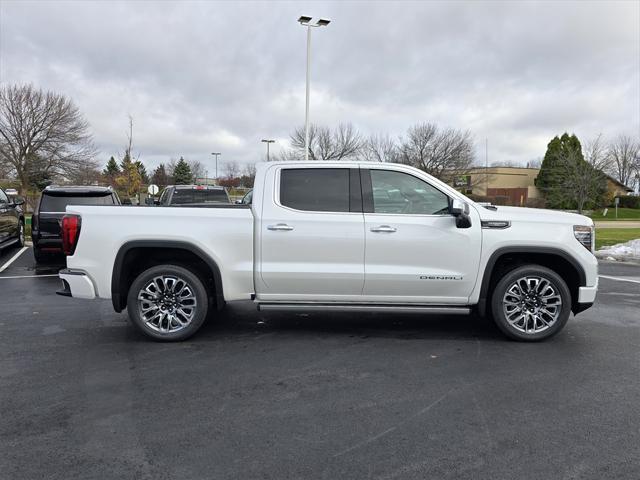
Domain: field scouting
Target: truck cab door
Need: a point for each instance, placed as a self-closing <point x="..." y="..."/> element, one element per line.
<point x="310" y="235"/>
<point x="415" y="253"/>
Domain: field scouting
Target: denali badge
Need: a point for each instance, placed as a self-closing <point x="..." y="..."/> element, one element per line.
<point x="440" y="277"/>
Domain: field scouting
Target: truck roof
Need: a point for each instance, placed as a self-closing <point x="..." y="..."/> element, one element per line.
<point x="196" y="187"/>
<point x="77" y="190"/>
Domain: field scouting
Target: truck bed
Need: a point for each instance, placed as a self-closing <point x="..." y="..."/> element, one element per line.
<point x="224" y="232"/>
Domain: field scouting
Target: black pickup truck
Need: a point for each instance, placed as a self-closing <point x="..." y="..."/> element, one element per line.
<point x="45" y="223"/>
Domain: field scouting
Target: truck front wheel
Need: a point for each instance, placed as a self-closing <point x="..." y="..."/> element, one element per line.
<point x="167" y="303"/>
<point x="531" y="303"/>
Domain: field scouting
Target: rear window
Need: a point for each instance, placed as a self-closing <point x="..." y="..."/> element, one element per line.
<point x="55" y="203"/>
<point x="183" y="196"/>
<point x="315" y="189"/>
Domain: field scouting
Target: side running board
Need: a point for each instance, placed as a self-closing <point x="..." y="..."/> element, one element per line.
<point x="350" y="307"/>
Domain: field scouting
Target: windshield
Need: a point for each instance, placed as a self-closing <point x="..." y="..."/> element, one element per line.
<point x="185" y="196"/>
<point x="55" y="203"/>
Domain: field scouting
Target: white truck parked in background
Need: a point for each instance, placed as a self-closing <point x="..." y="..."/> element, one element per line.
<point x="334" y="235"/>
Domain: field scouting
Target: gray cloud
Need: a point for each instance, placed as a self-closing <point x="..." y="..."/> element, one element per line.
<point x="204" y="76"/>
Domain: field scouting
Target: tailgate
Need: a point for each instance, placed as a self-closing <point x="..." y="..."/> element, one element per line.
<point x="49" y="225"/>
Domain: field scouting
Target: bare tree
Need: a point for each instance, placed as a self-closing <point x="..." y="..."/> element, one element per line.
<point x="596" y="154"/>
<point x="624" y="153"/>
<point x="249" y="170"/>
<point x="534" y="163"/>
<point x="379" y="148"/>
<point x="505" y="163"/>
<point x="327" y="144"/>
<point x="85" y="173"/>
<point x="197" y="169"/>
<point x="232" y="169"/>
<point x="287" y="155"/>
<point x="171" y="166"/>
<point x="445" y="154"/>
<point x="43" y="125"/>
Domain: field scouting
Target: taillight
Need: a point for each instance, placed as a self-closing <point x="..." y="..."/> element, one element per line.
<point x="70" y="233"/>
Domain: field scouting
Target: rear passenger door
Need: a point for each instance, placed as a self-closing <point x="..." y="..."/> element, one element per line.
<point x="311" y="235"/>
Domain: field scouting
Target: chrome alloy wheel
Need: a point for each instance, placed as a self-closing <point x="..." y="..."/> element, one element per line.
<point x="532" y="304"/>
<point x="21" y="234"/>
<point x="167" y="304"/>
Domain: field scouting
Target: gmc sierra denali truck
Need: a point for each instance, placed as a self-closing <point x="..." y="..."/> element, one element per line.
<point x="334" y="236"/>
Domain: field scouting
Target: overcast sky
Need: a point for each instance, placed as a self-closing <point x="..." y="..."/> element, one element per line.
<point x="211" y="76"/>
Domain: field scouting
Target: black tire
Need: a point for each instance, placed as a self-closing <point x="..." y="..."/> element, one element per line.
<point x="150" y="329"/>
<point x="515" y="331"/>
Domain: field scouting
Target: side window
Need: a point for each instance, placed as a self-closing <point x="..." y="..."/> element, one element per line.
<point x="315" y="189"/>
<point x="3" y="198"/>
<point x="397" y="192"/>
<point x="164" y="197"/>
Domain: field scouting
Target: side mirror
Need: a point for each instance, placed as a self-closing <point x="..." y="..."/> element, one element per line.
<point x="18" y="201"/>
<point x="460" y="210"/>
<point x="458" y="207"/>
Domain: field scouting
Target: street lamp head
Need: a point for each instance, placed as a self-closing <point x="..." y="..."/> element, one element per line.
<point x="267" y="140"/>
<point x="306" y="21"/>
<point x="215" y="153"/>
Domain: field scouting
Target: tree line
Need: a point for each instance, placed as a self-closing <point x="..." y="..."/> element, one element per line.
<point x="45" y="138"/>
<point x="441" y="152"/>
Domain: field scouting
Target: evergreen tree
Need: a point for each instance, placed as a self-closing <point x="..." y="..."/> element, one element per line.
<point x="182" y="173"/>
<point x="111" y="169"/>
<point x="566" y="180"/>
<point x="142" y="171"/>
<point x="160" y="176"/>
<point x="552" y="177"/>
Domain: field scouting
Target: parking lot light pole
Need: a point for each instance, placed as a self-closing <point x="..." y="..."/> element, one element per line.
<point x="216" y="154"/>
<point x="306" y="21"/>
<point x="267" y="141"/>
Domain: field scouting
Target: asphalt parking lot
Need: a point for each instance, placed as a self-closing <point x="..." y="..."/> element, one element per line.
<point x="335" y="396"/>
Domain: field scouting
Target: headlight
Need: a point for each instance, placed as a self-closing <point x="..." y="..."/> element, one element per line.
<point x="586" y="236"/>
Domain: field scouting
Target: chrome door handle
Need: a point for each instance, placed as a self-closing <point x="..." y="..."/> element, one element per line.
<point x="282" y="227"/>
<point x="383" y="229"/>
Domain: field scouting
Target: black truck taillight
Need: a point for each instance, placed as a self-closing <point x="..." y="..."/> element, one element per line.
<point x="70" y="233"/>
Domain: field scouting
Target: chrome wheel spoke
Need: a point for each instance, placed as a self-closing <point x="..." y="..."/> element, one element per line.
<point x="532" y="304"/>
<point x="167" y="304"/>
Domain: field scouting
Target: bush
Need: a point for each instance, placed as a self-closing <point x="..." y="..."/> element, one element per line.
<point x="535" y="203"/>
<point x="629" y="202"/>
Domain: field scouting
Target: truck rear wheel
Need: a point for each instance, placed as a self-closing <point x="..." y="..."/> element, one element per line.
<point x="531" y="303"/>
<point x="167" y="303"/>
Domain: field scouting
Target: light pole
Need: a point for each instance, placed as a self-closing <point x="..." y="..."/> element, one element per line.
<point x="267" y="141"/>
<point x="216" y="154"/>
<point x="306" y="22"/>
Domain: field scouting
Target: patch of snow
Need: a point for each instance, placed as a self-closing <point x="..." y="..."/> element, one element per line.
<point x="621" y="251"/>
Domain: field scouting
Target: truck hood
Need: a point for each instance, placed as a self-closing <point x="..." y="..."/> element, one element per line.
<point x="537" y="215"/>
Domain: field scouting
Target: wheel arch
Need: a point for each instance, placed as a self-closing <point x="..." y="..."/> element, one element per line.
<point x="147" y="253"/>
<point x="507" y="258"/>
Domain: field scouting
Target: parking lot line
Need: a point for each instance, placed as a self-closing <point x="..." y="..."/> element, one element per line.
<point x="29" y="276"/>
<point x="620" y="279"/>
<point x="13" y="259"/>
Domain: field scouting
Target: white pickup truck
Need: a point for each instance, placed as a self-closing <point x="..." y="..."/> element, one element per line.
<point x="334" y="236"/>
